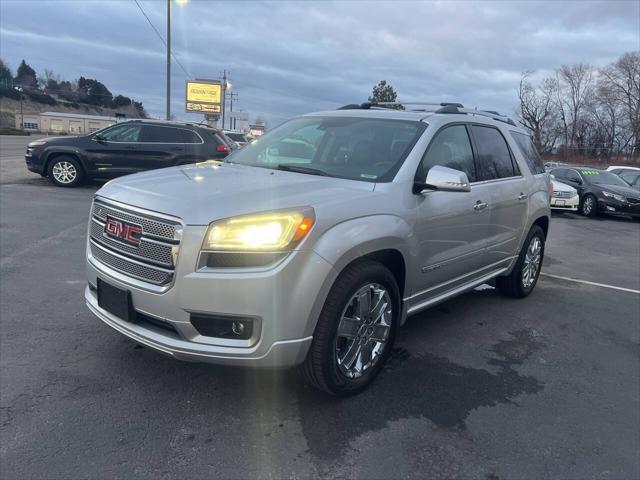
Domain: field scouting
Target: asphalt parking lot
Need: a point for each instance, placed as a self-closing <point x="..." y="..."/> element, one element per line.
<point x="479" y="387"/>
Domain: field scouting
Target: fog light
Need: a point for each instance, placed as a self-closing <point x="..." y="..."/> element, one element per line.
<point x="237" y="327"/>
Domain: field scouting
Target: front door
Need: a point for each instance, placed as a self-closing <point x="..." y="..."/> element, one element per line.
<point x="113" y="151"/>
<point x="451" y="226"/>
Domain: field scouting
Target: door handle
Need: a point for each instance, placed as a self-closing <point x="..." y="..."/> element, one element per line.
<point x="130" y="147"/>
<point x="480" y="206"/>
<point x="522" y="196"/>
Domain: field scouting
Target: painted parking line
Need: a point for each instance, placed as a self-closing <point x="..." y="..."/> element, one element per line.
<point x="586" y="282"/>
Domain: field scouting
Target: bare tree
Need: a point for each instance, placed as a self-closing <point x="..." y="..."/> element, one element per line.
<point x="574" y="85"/>
<point x="622" y="79"/>
<point x="537" y="111"/>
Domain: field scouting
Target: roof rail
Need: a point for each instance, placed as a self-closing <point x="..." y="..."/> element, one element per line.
<point x="369" y="105"/>
<point x="483" y="113"/>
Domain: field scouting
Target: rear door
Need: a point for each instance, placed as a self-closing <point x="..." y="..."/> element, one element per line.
<point x="451" y="226"/>
<point x="114" y="150"/>
<point x="499" y="172"/>
<point x="160" y="146"/>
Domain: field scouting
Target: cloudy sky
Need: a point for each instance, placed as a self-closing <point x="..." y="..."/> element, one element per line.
<point x="291" y="57"/>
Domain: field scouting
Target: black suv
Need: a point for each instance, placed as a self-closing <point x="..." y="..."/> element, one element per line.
<point x="123" y="148"/>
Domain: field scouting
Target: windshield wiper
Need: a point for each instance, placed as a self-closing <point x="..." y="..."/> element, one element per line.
<point x="301" y="169"/>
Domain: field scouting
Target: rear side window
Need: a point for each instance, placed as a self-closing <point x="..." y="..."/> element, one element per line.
<point x="190" y="137"/>
<point x="534" y="162"/>
<point x="158" y="134"/>
<point x="493" y="155"/>
<point x="450" y="148"/>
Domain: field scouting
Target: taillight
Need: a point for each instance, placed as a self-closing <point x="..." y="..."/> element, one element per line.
<point x="550" y="190"/>
<point x="222" y="148"/>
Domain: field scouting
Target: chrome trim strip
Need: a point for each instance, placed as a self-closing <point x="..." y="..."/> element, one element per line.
<point x="455" y="291"/>
<point x="148" y="213"/>
<point x="440" y="285"/>
<point x="128" y="280"/>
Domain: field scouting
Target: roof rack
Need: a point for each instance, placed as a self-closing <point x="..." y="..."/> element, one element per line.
<point x="370" y="105"/>
<point x="442" y="107"/>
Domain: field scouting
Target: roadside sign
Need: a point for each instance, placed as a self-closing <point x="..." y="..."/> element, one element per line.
<point x="203" y="96"/>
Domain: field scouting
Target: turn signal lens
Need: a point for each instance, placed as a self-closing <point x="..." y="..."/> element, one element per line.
<point x="270" y="231"/>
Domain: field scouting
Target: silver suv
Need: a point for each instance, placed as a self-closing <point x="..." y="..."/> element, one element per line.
<point x="312" y="244"/>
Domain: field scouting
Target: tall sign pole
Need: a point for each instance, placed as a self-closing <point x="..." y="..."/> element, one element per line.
<point x="168" y="60"/>
<point x="224" y="95"/>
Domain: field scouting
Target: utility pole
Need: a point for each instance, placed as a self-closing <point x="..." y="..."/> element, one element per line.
<point x="168" y="60"/>
<point x="224" y="95"/>
<point x="232" y="120"/>
<point x="19" y="89"/>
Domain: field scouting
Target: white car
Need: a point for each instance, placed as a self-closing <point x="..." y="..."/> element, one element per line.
<point x="613" y="168"/>
<point x="564" y="197"/>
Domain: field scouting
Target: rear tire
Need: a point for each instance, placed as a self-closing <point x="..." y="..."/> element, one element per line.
<point x="355" y="331"/>
<point x="65" y="171"/>
<point x="589" y="206"/>
<point x="524" y="276"/>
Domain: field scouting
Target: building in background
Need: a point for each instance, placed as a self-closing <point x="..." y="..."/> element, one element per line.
<point x="64" y="123"/>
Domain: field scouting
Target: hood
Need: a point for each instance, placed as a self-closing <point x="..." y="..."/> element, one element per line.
<point x="69" y="139"/>
<point x="626" y="191"/>
<point x="201" y="193"/>
<point x="562" y="187"/>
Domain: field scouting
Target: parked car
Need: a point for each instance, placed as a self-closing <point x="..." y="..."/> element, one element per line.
<point x="124" y="148"/>
<point x="548" y="166"/>
<point x="276" y="258"/>
<point x="618" y="169"/>
<point x="600" y="191"/>
<point x="238" y="137"/>
<point x="563" y="196"/>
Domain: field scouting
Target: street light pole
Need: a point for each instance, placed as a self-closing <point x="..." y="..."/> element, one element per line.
<point x="224" y="95"/>
<point x="168" y="60"/>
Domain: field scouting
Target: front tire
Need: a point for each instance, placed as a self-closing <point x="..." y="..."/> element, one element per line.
<point x="355" y="331"/>
<point x="589" y="207"/>
<point x="524" y="276"/>
<point x="65" y="171"/>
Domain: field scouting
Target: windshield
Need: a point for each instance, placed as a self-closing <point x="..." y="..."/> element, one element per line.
<point x="600" y="177"/>
<point x="355" y="148"/>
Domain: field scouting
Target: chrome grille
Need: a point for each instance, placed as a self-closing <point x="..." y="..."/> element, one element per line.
<point x="151" y="226"/>
<point x="131" y="268"/>
<point x="147" y="251"/>
<point x="153" y="260"/>
<point x="562" y="194"/>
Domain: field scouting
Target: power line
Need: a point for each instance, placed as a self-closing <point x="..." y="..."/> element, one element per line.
<point x="161" y="39"/>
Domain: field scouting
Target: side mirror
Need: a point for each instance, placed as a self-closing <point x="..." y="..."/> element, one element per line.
<point x="99" y="138"/>
<point x="444" y="179"/>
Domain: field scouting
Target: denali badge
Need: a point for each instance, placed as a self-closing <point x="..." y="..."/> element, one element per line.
<point x="123" y="231"/>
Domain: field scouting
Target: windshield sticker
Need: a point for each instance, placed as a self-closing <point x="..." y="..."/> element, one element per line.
<point x="366" y="175"/>
<point x="589" y="172"/>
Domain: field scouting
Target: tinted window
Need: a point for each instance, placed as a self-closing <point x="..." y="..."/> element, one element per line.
<point x="367" y="149"/>
<point x="158" y="134"/>
<point x="493" y="156"/>
<point x="573" y="176"/>
<point x="190" y="137"/>
<point x="122" y="133"/>
<point x="528" y="152"/>
<point x="450" y="148"/>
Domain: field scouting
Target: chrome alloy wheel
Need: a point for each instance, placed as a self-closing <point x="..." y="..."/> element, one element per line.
<point x="64" y="172"/>
<point x="363" y="331"/>
<point x="588" y="205"/>
<point x="532" y="261"/>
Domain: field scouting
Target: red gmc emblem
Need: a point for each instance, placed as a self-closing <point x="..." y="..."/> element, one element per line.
<point x="123" y="231"/>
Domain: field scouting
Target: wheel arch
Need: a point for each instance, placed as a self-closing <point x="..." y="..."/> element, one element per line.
<point x="62" y="153"/>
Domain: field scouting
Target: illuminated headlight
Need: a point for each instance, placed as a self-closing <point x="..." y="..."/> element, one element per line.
<point x="262" y="232"/>
<point x="615" y="196"/>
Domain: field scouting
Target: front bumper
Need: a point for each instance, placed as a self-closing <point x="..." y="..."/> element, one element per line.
<point x="619" y="208"/>
<point x="34" y="161"/>
<point x="570" y="204"/>
<point x="285" y="301"/>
